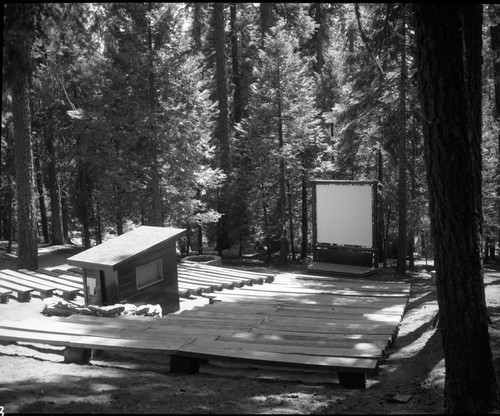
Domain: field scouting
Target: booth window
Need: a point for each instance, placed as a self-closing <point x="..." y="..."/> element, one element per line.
<point x="149" y="274"/>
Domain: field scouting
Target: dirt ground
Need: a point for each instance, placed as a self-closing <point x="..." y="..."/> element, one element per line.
<point x="35" y="379"/>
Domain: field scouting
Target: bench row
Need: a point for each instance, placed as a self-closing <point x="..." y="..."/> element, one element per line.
<point x="23" y="282"/>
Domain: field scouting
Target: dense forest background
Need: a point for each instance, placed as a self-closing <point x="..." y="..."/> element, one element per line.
<point x="215" y="117"/>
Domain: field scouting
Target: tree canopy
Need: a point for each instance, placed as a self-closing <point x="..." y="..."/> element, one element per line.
<point x="215" y="117"/>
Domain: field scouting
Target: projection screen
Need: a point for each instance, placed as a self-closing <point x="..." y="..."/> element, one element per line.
<point x="344" y="212"/>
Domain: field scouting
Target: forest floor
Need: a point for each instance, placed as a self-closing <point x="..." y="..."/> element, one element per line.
<point x="34" y="378"/>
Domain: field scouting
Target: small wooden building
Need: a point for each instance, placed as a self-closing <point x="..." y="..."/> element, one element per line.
<point x="139" y="266"/>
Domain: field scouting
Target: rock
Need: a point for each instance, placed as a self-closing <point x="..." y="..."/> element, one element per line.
<point x="142" y="310"/>
<point x="129" y="309"/>
<point x="398" y="398"/>
<point x="110" y="310"/>
<point x="56" y="311"/>
<point x="60" y="307"/>
<point x="84" y="311"/>
<point x="151" y="310"/>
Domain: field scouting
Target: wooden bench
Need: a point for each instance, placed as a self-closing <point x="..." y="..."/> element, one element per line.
<point x="23" y="293"/>
<point x="68" y="289"/>
<point x="218" y="284"/>
<point x="45" y="290"/>
<point x="255" y="277"/>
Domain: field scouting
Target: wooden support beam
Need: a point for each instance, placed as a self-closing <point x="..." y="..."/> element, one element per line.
<point x="4" y="296"/>
<point x="352" y="380"/>
<point x="96" y="353"/>
<point x="77" y="355"/>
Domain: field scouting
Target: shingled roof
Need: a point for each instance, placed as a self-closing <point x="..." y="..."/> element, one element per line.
<point x="111" y="253"/>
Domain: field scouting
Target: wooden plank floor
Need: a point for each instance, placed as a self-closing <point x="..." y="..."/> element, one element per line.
<point x="340" y="325"/>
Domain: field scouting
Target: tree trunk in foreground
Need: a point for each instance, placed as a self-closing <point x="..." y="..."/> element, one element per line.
<point x="19" y="53"/>
<point x="449" y="75"/>
<point x="402" y="176"/>
<point x="222" y="128"/>
<point x="27" y="253"/>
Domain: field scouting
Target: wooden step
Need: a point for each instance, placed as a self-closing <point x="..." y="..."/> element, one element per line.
<point x="211" y="350"/>
<point x="312" y="350"/>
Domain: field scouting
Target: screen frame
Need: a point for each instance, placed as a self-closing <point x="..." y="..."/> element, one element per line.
<point x="343" y="218"/>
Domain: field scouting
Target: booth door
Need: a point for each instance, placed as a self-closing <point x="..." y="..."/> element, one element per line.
<point x="95" y="288"/>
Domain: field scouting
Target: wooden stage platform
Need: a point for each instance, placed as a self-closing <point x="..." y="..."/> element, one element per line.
<point x="313" y="322"/>
<point x="334" y="269"/>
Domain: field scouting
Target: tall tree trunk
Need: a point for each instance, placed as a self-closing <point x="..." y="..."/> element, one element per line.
<point x="414" y="205"/>
<point x="380" y="227"/>
<point x="303" y="250"/>
<point x="237" y="96"/>
<point x="221" y="88"/>
<point x="119" y="217"/>
<point x="319" y="35"/>
<point x="495" y="46"/>
<point x="200" y="239"/>
<point x="199" y="229"/>
<point x="402" y="192"/>
<point x="290" y="222"/>
<point x="41" y="200"/>
<point x="266" y="18"/>
<point x="65" y="217"/>
<point x="8" y="194"/>
<point x="84" y="202"/>
<point x="157" y="219"/>
<point x="53" y="182"/>
<point x="449" y="48"/>
<point x="9" y="222"/>
<point x="222" y="129"/>
<point x="266" y="226"/>
<point x="197" y="26"/>
<point x="27" y="253"/>
<point x="282" y="176"/>
<point x="98" y="228"/>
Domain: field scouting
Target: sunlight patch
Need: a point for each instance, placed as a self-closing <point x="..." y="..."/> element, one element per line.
<point x="292" y="402"/>
<point x="101" y="387"/>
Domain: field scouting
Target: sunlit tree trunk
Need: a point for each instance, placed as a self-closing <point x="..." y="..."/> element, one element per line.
<point x="41" y="199"/>
<point x="449" y="48"/>
<point x="65" y="216"/>
<point x="237" y="96"/>
<point x="27" y="253"/>
<point x="495" y="46"/>
<point x="282" y="177"/>
<point x="157" y="219"/>
<point x="17" y="48"/>
<point x="402" y="182"/>
<point x="222" y="129"/>
<point x="303" y="250"/>
<point x="266" y="17"/>
<point x="319" y="36"/>
<point x="53" y="182"/>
